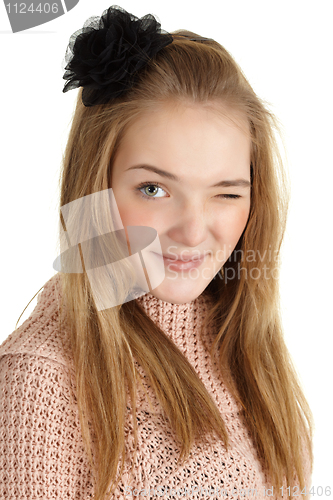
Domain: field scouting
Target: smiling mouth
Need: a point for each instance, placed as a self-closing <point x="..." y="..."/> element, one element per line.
<point x="181" y="264"/>
<point x="195" y="258"/>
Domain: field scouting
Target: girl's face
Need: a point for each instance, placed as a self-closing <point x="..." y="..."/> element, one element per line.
<point x="185" y="171"/>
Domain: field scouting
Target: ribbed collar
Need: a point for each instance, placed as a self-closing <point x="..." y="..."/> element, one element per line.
<point x="177" y="320"/>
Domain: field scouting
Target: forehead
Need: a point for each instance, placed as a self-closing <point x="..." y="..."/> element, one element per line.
<point x="188" y="139"/>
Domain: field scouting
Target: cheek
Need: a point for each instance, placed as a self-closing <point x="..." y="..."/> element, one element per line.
<point x="231" y="228"/>
<point x="136" y="216"/>
<point x="242" y="218"/>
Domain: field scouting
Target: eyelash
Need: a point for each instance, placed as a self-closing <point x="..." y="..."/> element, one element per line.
<point x="156" y="184"/>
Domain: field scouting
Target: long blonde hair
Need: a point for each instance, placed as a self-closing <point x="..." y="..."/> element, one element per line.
<point x="254" y="360"/>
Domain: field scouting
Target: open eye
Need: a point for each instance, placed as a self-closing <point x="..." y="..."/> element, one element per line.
<point x="145" y="185"/>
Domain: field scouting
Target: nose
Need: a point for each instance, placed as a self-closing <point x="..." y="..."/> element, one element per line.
<point x="189" y="225"/>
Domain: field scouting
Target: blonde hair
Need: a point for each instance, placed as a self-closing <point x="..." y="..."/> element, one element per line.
<point x="254" y="360"/>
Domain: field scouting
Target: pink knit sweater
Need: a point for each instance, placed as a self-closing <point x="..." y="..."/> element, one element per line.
<point x="41" y="449"/>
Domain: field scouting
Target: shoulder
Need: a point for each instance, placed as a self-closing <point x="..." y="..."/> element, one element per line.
<point x="42" y="335"/>
<point x="36" y="367"/>
<point x="39" y="417"/>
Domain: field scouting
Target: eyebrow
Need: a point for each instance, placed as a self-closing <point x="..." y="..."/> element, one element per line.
<point x="172" y="177"/>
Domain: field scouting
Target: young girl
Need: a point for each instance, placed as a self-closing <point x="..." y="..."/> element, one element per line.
<point x="185" y="388"/>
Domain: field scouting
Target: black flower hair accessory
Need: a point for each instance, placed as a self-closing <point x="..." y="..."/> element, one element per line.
<point x="105" y="56"/>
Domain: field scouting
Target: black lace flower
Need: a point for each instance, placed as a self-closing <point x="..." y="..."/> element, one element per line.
<point x="105" y="55"/>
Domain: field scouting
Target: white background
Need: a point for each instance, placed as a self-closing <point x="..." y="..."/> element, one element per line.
<point x="285" y="49"/>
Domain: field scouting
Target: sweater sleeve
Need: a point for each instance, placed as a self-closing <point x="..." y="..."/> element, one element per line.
<point x="41" y="448"/>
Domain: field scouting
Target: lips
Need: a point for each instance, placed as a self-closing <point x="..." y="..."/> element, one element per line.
<point x="180" y="258"/>
<point x="182" y="265"/>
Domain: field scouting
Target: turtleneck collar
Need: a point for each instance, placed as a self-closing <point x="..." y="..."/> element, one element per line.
<point x="149" y="298"/>
<point x="177" y="320"/>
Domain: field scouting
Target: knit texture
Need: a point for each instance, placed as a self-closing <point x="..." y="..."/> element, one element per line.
<point x="41" y="448"/>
